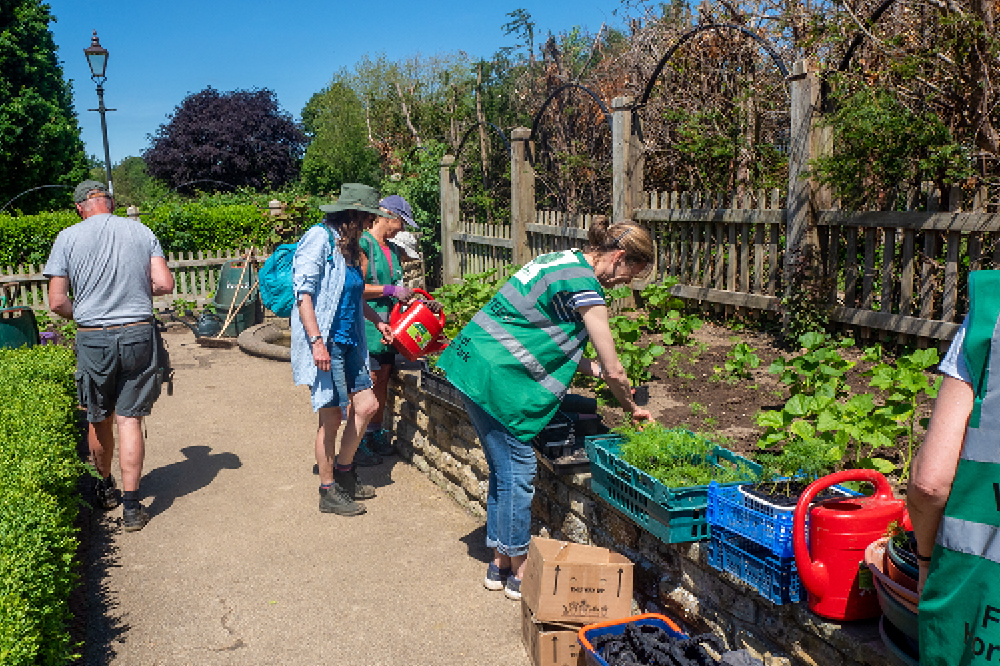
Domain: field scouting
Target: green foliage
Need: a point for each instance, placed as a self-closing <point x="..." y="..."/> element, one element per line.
<point x="879" y="145"/>
<point x="463" y="300"/>
<point x="740" y="360"/>
<point x="133" y="185"/>
<point x="27" y="239"/>
<point x="675" y="457"/>
<point x="338" y="152"/>
<point x="822" y="419"/>
<point x="418" y="181"/>
<point x="39" y="469"/>
<point x="664" y="313"/>
<point x="906" y="388"/>
<point x="39" y="136"/>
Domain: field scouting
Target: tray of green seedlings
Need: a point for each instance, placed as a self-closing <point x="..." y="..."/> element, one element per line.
<point x="659" y="477"/>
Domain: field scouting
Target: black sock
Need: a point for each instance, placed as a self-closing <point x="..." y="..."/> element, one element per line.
<point x="130" y="498"/>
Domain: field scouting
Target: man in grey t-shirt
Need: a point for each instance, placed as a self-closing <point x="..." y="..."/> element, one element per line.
<point x="113" y="266"/>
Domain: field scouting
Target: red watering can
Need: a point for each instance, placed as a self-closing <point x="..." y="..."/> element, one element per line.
<point x="416" y="330"/>
<point x="832" y="568"/>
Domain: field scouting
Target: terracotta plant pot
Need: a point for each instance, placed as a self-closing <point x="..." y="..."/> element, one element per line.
<point x="875" y="559"/>
<point x="898" y="575"/>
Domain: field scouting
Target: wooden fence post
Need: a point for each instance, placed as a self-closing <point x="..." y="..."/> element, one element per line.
<point x="627" y="160"/>
<point x="522" y="195"/>
<point x="805" y="142"/>
<point x="451" y="179"/>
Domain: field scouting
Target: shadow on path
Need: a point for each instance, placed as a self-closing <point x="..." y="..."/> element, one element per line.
<point x="475" y="541"/>
<point x="101" y="626"/>
<point x="182" y="478"/>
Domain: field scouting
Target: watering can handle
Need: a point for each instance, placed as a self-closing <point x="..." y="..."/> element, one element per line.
<point x="398" y="307"/>
<point x="814" y="574"/>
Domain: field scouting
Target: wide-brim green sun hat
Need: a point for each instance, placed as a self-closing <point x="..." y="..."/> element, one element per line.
<point x="355" y="196"/>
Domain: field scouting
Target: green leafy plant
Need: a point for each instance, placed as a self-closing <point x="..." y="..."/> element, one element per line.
<point x="740" y="360"/>
<point x="182" y="305"/>
<point x="697" y="408"/>
<point x="908" y="389"/>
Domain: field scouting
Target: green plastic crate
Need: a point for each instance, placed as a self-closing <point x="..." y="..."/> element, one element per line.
<point x="673" y="515"/>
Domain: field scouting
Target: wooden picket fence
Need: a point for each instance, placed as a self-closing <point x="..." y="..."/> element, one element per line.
<point x="195" y="274"/>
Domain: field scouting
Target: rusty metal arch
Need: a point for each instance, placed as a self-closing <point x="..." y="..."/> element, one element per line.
<point x="766" y="45"/>
<point x="545" y="104"/>
<point x="860" y="37"/>
<point x="468" y="133"/>
<point x="33" y="189"/>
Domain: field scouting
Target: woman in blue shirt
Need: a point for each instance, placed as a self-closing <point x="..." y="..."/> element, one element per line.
<point x="329" y="352"/>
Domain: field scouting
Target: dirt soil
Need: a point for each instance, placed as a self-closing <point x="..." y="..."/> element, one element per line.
<point x="686" y="390"/>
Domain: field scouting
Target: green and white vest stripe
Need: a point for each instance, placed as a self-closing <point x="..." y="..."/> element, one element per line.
<point x="517" y="357"/>
<point x="381" y="272"/>
<point x="960" y="604"/>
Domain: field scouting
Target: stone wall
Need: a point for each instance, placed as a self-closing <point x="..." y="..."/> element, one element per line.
<point x="676" y="579"/>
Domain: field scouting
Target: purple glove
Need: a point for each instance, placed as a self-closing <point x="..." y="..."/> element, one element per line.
<point x="399" y="292"/>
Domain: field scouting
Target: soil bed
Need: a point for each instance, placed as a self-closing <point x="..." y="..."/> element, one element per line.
<point x="687" y="391"/>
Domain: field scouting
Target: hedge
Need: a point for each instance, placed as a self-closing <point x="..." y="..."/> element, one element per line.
<point x="39" y="469"/>
<point x="211" y="223"/>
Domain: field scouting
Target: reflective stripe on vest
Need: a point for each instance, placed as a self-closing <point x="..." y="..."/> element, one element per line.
<point x="571" y="346"/>
<point x="964" y="536"/>
<point x="510" y="343"/>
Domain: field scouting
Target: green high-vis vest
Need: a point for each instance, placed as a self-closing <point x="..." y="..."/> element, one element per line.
<point x="960" y="603"/>
<point x="381" y="272"/>
<point x="518" y="355"/>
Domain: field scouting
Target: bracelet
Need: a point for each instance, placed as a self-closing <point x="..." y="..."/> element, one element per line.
<point x="921" y="558"/>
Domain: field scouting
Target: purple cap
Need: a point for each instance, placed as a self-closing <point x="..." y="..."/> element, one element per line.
<point x="397" y="204"/>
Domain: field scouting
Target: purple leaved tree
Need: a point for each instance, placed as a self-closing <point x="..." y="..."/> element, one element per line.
<point x="242" y="138"/>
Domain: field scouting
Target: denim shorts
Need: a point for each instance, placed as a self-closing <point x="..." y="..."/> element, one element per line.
<point x="349" y="372"/>
<point x="117" y="371"/>
<point x="379" y="361"/>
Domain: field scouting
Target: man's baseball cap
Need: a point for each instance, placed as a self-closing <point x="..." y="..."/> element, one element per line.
<point x="398" y="205"/>
<point x="82" y="190"/>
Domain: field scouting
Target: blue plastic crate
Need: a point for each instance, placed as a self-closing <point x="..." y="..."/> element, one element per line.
<point x="749" y="517"/>
<point x="776" y="579"/>
<point x="673" y="515"/>
<point x="617" y="627"/>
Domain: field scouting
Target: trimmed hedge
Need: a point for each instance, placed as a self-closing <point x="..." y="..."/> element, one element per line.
<point x="211" y="223"/>
<point x="39" y="469"/>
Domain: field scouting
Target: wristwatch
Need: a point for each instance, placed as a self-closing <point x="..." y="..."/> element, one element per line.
<point x="314" y="338"/>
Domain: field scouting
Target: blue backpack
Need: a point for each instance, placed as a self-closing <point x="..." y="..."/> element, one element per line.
<point x="275" y="278"/>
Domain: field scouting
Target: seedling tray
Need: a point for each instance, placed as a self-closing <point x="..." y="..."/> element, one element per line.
<point x="748" y="516"/>
<point x="560" y="446"/>
<point x="441" y="388"/>
<point x="617" y="627"/>
<point x="776" y="579"/>
<point x="673" y="515"/>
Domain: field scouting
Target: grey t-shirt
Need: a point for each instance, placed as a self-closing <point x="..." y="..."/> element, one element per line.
<point x="107" y="261"/>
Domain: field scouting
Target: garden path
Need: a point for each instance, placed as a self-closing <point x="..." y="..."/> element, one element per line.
<point x="237" y="565"/>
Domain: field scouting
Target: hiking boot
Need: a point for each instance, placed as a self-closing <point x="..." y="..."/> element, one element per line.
<point x="378" y="443"/>
<point x="134" y="520"/>
<point x="333" y="500"/>
<point x="348" y="482"/>
<point x="106" y="494"/>
<point x="364" y="457"/>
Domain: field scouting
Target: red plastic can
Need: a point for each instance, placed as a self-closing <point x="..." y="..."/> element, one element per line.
<point x="832" y="568"/>
<point x="416" y="330"/>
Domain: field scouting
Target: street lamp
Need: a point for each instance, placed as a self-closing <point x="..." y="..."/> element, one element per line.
<point x="97" y="58"/>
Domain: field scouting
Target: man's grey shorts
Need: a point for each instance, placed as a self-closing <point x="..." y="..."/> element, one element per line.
<point x="117" y="371"/>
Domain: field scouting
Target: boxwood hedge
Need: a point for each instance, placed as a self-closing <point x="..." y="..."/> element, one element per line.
<point x="39" y="469"/>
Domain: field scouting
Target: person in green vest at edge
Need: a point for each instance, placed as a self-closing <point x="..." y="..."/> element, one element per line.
<point x="954" y="494"/>
<point x="515" y="360"/>
<point x="383" y="272"/>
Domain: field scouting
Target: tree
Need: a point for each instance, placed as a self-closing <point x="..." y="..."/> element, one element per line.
<point x="39" y="136"/>
<point x="242" y="138"/>
<point x="133" y="186"/>
<point x="339" y="150"/>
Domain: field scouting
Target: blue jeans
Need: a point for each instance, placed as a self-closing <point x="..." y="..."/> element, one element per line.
<point x="349" y="372"/>
<point x="512" y="475"/>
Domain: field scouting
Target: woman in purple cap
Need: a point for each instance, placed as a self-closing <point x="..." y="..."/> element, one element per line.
<point x="383" y="286"/>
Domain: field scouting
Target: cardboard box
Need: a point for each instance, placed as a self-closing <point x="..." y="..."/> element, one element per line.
<point x="570" y="582"/>
<point x="550" y="644"/>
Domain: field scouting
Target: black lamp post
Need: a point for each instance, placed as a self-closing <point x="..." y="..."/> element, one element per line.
<point x="97" y="58"/>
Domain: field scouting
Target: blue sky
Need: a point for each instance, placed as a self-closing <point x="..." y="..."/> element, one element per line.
<point x="162" y="51"/>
